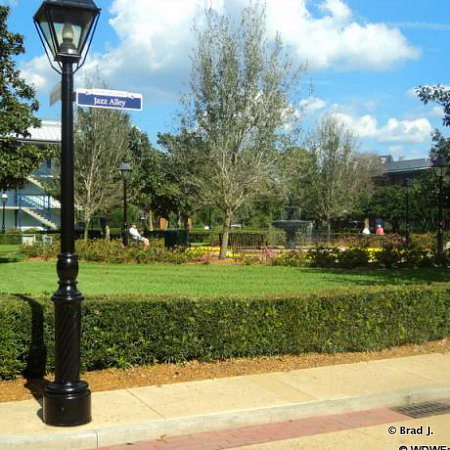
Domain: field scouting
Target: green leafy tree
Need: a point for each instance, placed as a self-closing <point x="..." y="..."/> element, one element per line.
<point x="17" y="107"/>
<point x="184" y="171"/>
<point x="332" y="174"/>
<point x="441" y="145"/>
<point x="438" y="94"/>
<point x="389" y="203"/>
<point x="101" y="142"/>
<point x="147" y="186"/>
<point x="238" y="104"/>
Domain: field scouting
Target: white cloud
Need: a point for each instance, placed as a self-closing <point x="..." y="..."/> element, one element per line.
<point x="337" y="40"/>
<point x="412" y="131"/>
<point x="39" y="73"/>
<point x="423" y="25"/>
<point x="415" y="131"/>
<point x="312" y="104"/>
<point x="365" y="126"/>
<point x="156" y="41"/>
<point x="437" y="111"/>
<point x="412" y="93"/>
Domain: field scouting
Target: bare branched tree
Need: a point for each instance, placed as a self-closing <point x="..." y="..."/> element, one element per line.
<point x="101" y="141"/>
<point x="335" y="174"/>
<point x="238" y="104"/>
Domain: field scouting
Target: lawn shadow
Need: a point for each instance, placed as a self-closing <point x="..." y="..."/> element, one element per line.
<point x="37" y="352"/>
<point x="7" y="259"/>
<point x="384" y="277"/>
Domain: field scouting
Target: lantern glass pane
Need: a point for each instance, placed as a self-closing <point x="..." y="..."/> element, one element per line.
<point x="46" y="31"/>
<point x="125" y="170"/>
<point x="72" y="27"/>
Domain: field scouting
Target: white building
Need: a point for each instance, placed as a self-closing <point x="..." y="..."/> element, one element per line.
<point x="29" y="206"/>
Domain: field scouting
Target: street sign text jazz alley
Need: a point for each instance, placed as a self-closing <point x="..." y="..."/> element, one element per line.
<point x="106" y="98"/>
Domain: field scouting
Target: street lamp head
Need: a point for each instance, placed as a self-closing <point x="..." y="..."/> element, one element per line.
<point x="440" y="165"/>
<point x="4" y="197"/>
<point x="65" y="27"/>
<point x="125" y="170"/>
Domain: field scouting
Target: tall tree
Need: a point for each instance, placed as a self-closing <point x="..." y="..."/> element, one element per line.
<point x="101" y="140"/>
<point x="438" y="94"/>
<point x="238" y="103"/>
<point x="334" y="175"/>
<point x="441" y="145"/>
<point x="389" y="203"/>
<point x="147" y="185"/>
<point x="184" y="169"/>
<point x="17" y="107"/>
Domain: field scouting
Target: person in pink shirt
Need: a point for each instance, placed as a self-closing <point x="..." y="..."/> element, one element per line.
<point x="380" y="230"/>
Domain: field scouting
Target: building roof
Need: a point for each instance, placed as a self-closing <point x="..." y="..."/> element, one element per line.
<point x="408" y="165"/>
<point x="48" y="133"/>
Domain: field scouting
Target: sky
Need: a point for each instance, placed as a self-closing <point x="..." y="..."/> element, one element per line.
<point x="364" y="58"/>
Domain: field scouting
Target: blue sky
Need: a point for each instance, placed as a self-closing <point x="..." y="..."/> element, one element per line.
<point x="364" y="59"/>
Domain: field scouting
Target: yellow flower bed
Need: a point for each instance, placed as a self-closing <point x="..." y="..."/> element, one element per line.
<point x="200" y="251"/>
<point x="372" y="252"/>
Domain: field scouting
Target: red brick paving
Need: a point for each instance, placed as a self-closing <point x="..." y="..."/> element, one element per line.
<point x="258" y="434"/>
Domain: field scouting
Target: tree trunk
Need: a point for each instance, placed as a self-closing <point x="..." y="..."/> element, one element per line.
<point x="225" y="234"/>
<point x="150" y="220"/>
<point x="328" y="230"/>
<point x="186" y="231"/>
<point x="86" y="229"/>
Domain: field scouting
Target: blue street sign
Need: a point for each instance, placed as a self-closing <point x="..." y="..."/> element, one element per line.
<point x="105" y="98"/>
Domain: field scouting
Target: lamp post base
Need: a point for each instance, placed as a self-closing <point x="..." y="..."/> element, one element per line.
<point x="67" y="405"/>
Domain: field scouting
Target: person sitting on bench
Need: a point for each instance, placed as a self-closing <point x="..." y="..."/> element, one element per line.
<point x="135" y="235"/>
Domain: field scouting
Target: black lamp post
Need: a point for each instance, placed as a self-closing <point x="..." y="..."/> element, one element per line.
<point x="65" y="27"/>
<point x="440" y="165"/>
<point x="4" y="200"/>
<point x="125" y="170"/>
<point x="407" y="233"/>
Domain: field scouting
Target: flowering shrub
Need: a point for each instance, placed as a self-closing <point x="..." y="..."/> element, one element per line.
<point x="322" y="257"/>
<point x="292" y="258"/>
<point x="113" y="252"/>
<point x="355" y="257"/>
<point x="390" y="255"/>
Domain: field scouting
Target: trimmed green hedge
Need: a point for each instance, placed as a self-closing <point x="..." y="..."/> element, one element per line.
<point x="119" y="332"/>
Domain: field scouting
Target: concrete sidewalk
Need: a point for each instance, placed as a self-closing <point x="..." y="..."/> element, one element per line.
<point x="143" y="413"/>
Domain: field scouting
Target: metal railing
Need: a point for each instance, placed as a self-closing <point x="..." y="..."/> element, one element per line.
<point x="41" y="204"/>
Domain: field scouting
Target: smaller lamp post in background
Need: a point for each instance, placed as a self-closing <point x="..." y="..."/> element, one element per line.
<point x="407" y="231"/>
<point x="125" y="170"/>
<point x="440" y="165"/>
<point x="4" y="200"/>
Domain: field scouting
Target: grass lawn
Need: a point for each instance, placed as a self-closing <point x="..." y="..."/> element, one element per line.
<point x="8" y="248"/>
<point x="32" y="277"/>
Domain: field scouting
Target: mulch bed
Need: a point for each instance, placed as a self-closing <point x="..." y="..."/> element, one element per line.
<point x="158" y="374"/>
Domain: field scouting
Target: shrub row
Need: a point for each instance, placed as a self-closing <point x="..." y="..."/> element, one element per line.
<point x="388" y="256"/>
<point x="118" y="332"/>
<point x="113" y="252"/>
